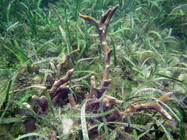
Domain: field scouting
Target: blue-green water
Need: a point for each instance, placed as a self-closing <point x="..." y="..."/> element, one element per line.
<point x="58" y="68"/>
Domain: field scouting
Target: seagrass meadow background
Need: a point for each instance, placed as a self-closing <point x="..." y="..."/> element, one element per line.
<point x="93" y="69"/>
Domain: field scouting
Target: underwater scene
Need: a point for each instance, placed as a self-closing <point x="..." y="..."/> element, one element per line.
<point x="93" y="69"/>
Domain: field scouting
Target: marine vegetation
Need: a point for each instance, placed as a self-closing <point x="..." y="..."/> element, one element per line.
<point x="66" y="75"/>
